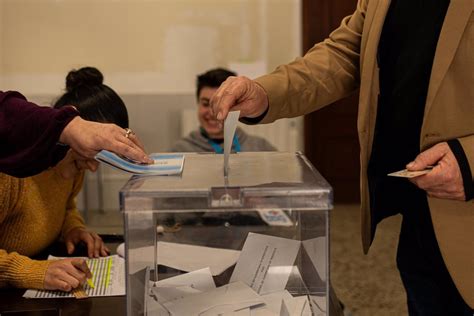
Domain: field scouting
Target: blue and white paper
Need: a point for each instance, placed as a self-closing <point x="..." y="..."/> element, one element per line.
<point x="165" y="164"/>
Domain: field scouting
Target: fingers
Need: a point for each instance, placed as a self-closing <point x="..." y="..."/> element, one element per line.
<point x="133" y="137"/>
<point x="429" y="157"/>
<point x="239" y="93"/>
<point x="104" y="251"/>
<point x="74" y="276"/>
<point x="81" y="265"/>
<point x="444" y="181"/>
<point x="64" y="275"/>
<point x="126" y="146"/>
<point x="61" y="285"/>
<point x="87" y="238"/>
<point x="97" y="245"/>
<point x="219" y="106"/>
<point x="70" y="247"/>
<point x="88" y="138"/>
<point x="94" y="244"/>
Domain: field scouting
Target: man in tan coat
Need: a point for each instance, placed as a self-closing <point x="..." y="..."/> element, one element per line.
<point x="413" y="62"/>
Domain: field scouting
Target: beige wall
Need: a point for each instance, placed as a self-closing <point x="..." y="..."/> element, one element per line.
<point x="142" y="46"/>
<point x="149" y="51"/>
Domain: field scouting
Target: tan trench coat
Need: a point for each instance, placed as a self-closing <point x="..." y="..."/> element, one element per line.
<point x="346" y="61"/>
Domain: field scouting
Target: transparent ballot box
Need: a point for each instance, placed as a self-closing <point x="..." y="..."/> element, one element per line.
<point x="254" y="242"/>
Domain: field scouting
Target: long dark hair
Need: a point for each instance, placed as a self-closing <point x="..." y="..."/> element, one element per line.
<point x="94" y="100"/>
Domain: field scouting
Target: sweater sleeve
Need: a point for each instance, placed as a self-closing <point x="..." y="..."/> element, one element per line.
<point x="29" y="135"/>
<point x="17" y="270"/>
<point x="73" y="219"/>
<point x="21" y="272"/>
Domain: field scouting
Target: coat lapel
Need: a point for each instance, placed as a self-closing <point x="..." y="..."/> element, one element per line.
<point x="369" y="77"/>
<point x="454" y="24"/>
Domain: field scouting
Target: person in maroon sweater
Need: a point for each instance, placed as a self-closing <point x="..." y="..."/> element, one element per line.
<point x="34" y="138"/>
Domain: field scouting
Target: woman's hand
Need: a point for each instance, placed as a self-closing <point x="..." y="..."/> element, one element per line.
<point x="88" y="138"/>
<point x="66" y="274"/>
<point x="95" y="245"/>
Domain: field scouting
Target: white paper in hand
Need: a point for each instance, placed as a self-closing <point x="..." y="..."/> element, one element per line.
<point x="230" y="125"/>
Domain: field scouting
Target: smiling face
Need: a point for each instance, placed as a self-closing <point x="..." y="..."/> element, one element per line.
<point x="212" y="127"/>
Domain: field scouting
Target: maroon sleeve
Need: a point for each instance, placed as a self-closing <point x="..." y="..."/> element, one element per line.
<point x="29" y="135"/>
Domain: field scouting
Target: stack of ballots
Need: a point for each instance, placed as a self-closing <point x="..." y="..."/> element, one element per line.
<point x="257" y="285"/>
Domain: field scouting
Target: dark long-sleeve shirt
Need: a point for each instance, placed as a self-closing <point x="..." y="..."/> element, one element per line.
<point x="29" y="135"/>
<point x="405" y="56"/>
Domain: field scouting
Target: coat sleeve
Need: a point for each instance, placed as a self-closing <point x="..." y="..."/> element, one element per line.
<point x="463" y="150"/>
<point x="29" y="135"/>
<point x="328" y="72"/>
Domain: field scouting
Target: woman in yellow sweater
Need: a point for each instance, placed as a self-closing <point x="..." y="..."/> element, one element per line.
<point x="37" y="211"/>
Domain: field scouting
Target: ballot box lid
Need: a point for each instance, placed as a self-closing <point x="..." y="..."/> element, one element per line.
<point x="255" y="180"/>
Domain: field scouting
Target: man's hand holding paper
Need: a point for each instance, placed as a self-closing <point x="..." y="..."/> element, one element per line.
<point x="445" y="180"/>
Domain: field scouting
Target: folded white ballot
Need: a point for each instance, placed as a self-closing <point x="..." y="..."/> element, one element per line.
<point x="183" y="285"/>
<point x="230" y="126"/>
<point x="164" y="164"/>
<point x="225" y="299"/>
<point x="266" y="262"/>
<point x="184" y="257"/>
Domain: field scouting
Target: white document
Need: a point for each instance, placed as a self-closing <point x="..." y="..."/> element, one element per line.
<point x="266" y="262"/>
<point x="186" y="257"/>
<point x="316" y="250"/>
<point x="164" y="164"/>
<point x="190" y="258"/>
<point x="200" y="280"/>
<point x="225" y="299"/>
<point x="108" y="276"/>
<point x="183" y="285"/>
<point x="230" y="125"/>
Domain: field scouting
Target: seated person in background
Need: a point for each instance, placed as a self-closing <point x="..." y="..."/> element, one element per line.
<point x="210" y="135"/>
<point x="36" y="212"/>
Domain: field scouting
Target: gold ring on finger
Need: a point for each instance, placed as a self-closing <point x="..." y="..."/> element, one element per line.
<point x="128" y="132"/>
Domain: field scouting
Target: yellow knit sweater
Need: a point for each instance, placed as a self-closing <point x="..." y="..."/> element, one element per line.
<point x="34" y="213"/>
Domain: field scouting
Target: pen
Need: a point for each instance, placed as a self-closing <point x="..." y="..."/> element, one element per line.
<point x="90" y="282"/>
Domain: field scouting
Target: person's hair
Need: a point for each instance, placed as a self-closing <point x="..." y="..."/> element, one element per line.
<point x="212" y="78"/>
<point x="94" y="100"/>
